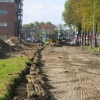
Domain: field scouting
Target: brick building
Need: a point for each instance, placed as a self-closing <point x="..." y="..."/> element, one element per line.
<point x="10" y="18"/>
<point x="46" y="29"/>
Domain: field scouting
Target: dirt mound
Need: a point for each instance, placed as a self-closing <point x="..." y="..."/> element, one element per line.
<point x="2" y="54"/>
<point x="9" y="45"/>
<point x="14" y="42"/>
<point x="4" y="47"/>
<point x="14" y="46"/>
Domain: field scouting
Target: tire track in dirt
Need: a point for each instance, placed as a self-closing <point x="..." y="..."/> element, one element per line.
<point x="87" y="86"/>
<point x="68" y="74"/>
<point x="61" y="82"/>
<point x="55" y="71"/>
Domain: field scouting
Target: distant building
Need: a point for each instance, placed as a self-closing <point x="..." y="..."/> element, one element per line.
<point x="46" y="30"/>
<point x="33" y="31"/>
<point x="25" y="33"/>
<point x="29" y="33"/>
<point x="68" y="34"/>
<point x="11" y="12"/>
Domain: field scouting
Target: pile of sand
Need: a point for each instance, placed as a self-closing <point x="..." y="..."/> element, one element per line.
<point x="4" y="48"/>
<point x="8" y="45"/>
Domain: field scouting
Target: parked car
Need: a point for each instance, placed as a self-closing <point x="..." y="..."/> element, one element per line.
<point x="28" y="40"/>
<point x="68" y="41"/>
<point x="62" y="41"/>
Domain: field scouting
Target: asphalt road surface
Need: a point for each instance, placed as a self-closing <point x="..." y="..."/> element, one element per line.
<point x="73" y="73"/>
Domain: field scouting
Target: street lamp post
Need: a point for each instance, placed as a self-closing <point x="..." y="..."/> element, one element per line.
<point x="58" y="33"/>
<point x="48" y="33"/>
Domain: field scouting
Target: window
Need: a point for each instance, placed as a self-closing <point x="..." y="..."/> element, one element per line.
<point x="4" y="24"/>
<point x="16" y="1"/>
<point x="20" y="6"/>
<point x="1" y="0"/>
<point x="20" y="17"/>
<point x="11" y="0"/>
<point x="3" y="12"/>
<point x="6" y="0"/>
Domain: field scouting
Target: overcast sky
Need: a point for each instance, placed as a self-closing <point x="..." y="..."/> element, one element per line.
<point x="43" y="10"/>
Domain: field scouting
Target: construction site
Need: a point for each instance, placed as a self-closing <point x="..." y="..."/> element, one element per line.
<point x="55" y="72"/>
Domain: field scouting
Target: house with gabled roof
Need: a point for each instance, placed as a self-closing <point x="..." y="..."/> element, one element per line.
<point x="46" y="30"/>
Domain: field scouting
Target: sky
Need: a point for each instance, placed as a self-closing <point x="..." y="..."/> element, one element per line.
<point x="43" y="10"/>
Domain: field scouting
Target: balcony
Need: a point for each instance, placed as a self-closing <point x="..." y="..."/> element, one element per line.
<point x="20" y="7"/>
<point x="20" y="13"/>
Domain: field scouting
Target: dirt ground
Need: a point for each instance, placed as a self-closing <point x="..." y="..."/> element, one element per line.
<point x="73" y="73"/>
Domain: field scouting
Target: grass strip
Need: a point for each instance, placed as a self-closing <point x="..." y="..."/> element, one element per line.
<point x="11" y="70"/>
<point x="95" y="49"/>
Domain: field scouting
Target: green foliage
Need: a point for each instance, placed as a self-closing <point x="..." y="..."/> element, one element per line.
<point x="48" y="23"/>
<point x="36" y="24"/>
<point x="82" y="12"/>
<point x="42" y="23"/>
<point x="10" y="71"/>
<point x="28" y="26"/>
<point x="37" y="34"/>
<point x="95" y="49"/>
<point x="5" y="96"/>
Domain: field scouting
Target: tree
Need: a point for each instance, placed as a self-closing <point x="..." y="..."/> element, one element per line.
<point x="31" y="25"/>
<point x="48" y="23"/>
<point x="28" y="26"/>
<point x="81" y="12"/>
<point x="36" y="24"/>
<point x="42" y="23"/>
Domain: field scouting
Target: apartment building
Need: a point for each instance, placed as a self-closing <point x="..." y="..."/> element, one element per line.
<point x="11" y="13"/>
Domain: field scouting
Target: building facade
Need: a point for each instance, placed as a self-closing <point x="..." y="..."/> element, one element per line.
<point x="11" y="13"/>
<point x="29" y="33"/>
<point x="46" y="29"/>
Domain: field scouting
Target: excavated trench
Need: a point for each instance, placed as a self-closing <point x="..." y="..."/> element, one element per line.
<point x="34" y="85"/>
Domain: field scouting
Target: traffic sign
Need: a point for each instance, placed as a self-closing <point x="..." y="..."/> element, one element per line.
<point x="79" y="38"/>
<point x="93" y="36"/>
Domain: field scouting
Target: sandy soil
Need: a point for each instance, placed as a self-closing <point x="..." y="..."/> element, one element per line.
<point x="73" y="73"/>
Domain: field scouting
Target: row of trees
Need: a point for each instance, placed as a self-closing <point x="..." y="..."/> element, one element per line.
<point x="36" y="24"/>
<point x="83" y="14"/>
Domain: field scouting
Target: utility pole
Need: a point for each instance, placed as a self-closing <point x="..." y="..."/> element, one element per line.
<point x="93" y="35"/>
<point x="68" y="33"/>
<point x="58" y="33"/>
<point x="48" y="33"/>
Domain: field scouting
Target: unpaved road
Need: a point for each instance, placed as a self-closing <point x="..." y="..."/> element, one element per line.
<point x="74" y="74"/>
